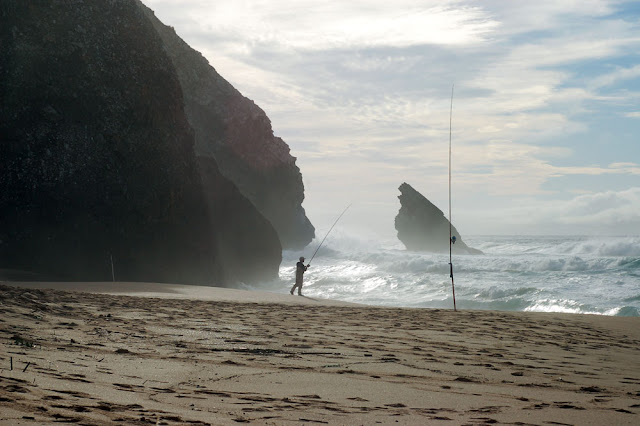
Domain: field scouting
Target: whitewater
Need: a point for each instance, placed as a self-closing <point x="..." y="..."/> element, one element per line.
<point x="572" y="274"/>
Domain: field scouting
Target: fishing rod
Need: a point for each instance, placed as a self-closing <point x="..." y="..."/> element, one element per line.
<point x="325" y="237"/>
<point x="451" y="237"/>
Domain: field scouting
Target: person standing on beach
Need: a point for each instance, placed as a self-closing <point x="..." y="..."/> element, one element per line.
<point x="300" y="270"/>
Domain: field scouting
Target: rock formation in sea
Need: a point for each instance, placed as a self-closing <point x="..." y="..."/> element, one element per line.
<point x="97" y="159"/>
<point x="237" y="133"/>
<point x="422" y="226"/>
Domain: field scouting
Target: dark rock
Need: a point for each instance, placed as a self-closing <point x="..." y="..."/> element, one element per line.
<point x="422" y="226"/>
<point x="248" y="248"/>
<point x="237" y="133"/>
<point x="97" y="157"/>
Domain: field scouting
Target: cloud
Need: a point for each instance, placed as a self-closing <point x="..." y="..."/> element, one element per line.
<point x="544" y="15"/>
<point x="608" y="210"/>
<point x="356" y="57"/>
<point x="312" y="25"/>
<point x="616" y="76"/>
<point x="361" y="92"/>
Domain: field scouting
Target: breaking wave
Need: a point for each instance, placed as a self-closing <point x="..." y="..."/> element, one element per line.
<point x="589" y="275"/>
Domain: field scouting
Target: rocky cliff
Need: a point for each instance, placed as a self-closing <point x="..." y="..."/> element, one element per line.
<point x="97" y="157"/>
<point x="422" y="226"/>
<point x="235" y="132"/>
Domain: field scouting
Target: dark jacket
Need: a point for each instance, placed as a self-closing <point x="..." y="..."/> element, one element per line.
<point x="300" y="270"/>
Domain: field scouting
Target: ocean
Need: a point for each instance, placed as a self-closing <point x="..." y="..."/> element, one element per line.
<point x="572" y="274"/>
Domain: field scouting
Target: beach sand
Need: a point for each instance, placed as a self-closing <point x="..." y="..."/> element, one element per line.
<point x="130" y="353"/>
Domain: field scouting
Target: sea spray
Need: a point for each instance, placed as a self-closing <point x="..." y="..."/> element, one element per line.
<point x="574" y="274"/>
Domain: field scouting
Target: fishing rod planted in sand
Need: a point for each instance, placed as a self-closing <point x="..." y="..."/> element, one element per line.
<point x="452" y="239"/>
<point x="325" y="237"/>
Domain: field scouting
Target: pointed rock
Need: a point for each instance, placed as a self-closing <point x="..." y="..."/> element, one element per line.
<point x="422" y="226"/>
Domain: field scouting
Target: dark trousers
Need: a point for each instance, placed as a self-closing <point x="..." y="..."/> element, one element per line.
<point x="297" y="284"/>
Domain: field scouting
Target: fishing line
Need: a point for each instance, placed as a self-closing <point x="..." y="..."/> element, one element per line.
<point x="325" y="237"/>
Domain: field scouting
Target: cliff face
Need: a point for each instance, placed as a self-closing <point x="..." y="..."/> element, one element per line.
<point x="97" y="156"/>
<point x="246" y="245"/>
<point x="236" y="133"/>
<point x="422" y="226"/>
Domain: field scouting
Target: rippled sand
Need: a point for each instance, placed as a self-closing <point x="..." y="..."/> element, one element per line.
<point x="191" y="355"/>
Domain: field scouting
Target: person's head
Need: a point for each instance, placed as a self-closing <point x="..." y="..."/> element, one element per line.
<point x="301" y="258"/>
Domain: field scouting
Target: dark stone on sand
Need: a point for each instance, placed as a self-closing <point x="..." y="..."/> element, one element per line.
<point x="422" y="226"/>
<point x="591" y="389"/>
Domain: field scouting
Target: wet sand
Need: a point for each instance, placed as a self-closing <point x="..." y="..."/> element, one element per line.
<point x="123" y="353"/>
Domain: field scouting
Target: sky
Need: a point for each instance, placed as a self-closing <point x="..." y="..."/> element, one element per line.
<point x="545" y="120"/>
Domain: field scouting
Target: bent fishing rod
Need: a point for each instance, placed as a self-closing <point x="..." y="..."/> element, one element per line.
<point x="325" y="237"/>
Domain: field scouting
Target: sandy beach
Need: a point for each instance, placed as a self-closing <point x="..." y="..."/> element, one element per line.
<point x="130" y="353"/>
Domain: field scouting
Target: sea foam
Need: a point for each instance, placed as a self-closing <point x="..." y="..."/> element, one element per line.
<point x="574" y="274"/>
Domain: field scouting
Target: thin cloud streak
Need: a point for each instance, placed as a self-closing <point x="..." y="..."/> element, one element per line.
<point x="313" y="26"/>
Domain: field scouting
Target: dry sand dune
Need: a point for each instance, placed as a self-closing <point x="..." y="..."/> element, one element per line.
<point x="233" y="356"/>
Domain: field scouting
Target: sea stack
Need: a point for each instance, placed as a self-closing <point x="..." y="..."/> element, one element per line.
<point x="98" y="158"/>
<point x="422" y="226"/>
